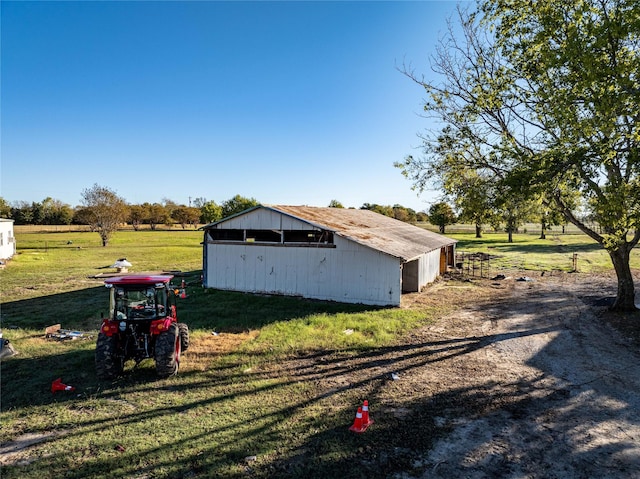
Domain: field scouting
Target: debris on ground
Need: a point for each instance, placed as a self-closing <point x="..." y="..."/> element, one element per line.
<point x="58" y="385"/>
<point x="6" y="348"/>
<point x="58" y="333"/>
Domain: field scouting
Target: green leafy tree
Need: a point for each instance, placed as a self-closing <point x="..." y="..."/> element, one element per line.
<point x="5" y="208"/>
<point x="335" y="204"/>
<point x="22" y="213"/>
<point x="547" y="94"/>
<point x="53" y="212"/>
<point x="441" y="215"/>
<point x="210" y="211"/>
<point x="236" y="205"/>
<point x="105" y="211"/>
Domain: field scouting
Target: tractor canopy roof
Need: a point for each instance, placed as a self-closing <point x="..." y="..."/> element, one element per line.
<point x="139" y="279"/>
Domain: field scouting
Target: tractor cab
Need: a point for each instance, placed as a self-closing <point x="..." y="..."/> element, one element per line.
<point x="134" y="301"/>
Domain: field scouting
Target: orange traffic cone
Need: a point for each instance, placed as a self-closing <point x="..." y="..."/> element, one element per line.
<point x="183" y="291"/>
<point x="366" y="420"/>
<point x="57" y="385"/>
<point x="357" y="422"/>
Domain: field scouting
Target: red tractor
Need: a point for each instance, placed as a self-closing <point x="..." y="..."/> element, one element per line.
<point x="142" y="324"/>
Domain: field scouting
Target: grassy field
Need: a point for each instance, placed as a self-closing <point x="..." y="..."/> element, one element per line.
<point x="227" y="414"/>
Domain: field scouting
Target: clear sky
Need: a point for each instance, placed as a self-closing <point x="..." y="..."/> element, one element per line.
<point x="285" y="102"/>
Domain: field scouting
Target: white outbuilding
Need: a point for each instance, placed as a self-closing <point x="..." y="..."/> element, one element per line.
<point x="337" y="254"/>
<point x="7" y="240"/>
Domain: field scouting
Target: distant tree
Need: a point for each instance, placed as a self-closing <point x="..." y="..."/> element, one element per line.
<point x="335" y="204"/>
<point x="186" y="215"/>
<point x="22" y="213"/>
<point x="106" y="210"/>
<point x="473" y="195"/>
<point x="422" y="217"/>
<point x="210" y="211"/>
<point x="513" y="210"/>
<point x="402" y="213"/>
<point x="53" y="212"/>
<point x="441" y="215"/>
<point x="82" y="216"/>
<point x="199" y="202"/>
<point x="380" y="209"/>
<point x="158" y="215"/>
<point x="237" y="204"/>
<point x="5" y="208"/>
<point x="138" y="214"/>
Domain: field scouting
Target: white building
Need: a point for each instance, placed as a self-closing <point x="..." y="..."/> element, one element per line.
<point x="346" y="255"/>
<point x="7" y="240"/>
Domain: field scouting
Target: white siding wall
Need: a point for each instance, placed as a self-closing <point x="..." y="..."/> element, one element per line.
<point x="347" y="273"/>
<point x="263" y="219"/>
<point x="429" y="268"/>
<point x="7" y="241"/>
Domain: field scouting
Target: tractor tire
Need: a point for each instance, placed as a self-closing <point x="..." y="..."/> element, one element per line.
<point x="184" y="336"/>
<point x="108" y="364"/>
<point x="167" y="352"/>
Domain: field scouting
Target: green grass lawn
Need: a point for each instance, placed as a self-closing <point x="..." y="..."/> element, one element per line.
<point x="226" y="414"/>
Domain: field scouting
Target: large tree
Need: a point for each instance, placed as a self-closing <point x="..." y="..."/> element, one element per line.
<point x="105" y="211"/>
<point x="545" y="94"/>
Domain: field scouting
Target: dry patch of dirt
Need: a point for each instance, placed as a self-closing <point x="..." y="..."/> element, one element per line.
<point x="203" y="348"/>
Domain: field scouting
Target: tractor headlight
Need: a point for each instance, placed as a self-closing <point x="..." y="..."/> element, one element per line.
<point x="123" y="326"/>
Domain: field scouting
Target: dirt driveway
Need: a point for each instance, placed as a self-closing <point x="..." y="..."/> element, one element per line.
<point x="553" y="391"/>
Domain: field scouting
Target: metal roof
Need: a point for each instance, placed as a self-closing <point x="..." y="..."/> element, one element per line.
<point x="396" y="238"/>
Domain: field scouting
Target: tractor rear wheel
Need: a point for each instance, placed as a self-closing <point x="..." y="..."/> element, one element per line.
<point x="167" y="353"/>
<point x="108" y="364"/>
<point x="184" y="336"/>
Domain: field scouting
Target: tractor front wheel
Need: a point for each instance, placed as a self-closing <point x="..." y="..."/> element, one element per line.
<point x="167" y="353"/>
<point x="109" y="364"/>
<point x="184" y="336"/>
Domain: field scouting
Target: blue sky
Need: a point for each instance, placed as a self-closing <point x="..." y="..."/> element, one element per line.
<point x="286" y="102"/>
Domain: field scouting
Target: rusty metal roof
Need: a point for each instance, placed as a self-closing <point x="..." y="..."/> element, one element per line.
<point x="368" y="228"/>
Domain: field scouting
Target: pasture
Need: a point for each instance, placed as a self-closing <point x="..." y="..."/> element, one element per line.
<point x="261" y="391"/>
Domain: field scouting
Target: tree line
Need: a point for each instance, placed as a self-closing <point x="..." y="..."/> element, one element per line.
<point x="54" y="212"/>
<point x="104" y="211"/>
<point x="467" y="209"/>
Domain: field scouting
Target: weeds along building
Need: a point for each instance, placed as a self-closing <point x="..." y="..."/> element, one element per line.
<point x="337" y="254"/>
